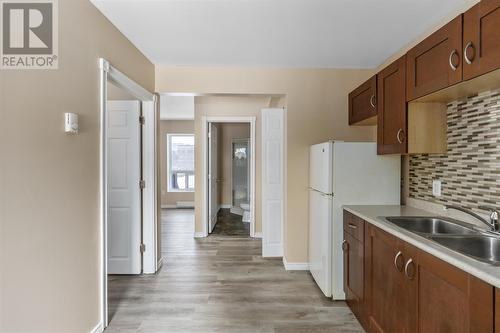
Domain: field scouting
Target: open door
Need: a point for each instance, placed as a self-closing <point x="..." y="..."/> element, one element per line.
<point x="213" y="206"/>
<point x="123" y="187"/>
<point x="273" y="180"/>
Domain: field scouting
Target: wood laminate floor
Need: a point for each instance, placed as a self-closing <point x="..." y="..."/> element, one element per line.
<point x="220" y="284"/>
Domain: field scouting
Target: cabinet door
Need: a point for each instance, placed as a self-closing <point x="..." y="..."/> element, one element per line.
<point x="384" y="297"/>
<point x="451" y="300"/>
<point x="353" y="274"/>
<point x="362" y="102"/>
<point x="497" y="310"/>
<point x="391" y="103"/>
<point x="481" y="39"/>
<point x="436" y="62"/>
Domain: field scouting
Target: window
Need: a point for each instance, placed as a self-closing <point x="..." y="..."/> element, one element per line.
<point x="180" y="162"/>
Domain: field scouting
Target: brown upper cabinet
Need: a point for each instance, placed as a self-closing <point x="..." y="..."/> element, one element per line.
<point x="436" y="62"/>
<point x="481" y="39"/>
<point x="391" y="104"/>
<point x="363" y="103"/>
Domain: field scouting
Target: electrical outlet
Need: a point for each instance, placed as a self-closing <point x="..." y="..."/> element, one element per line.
<point x="436" y="188"/>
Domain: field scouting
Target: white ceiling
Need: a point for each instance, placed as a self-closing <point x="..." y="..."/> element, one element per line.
<point x="281" y="33"/>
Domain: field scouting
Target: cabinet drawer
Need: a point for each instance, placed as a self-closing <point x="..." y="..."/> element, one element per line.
<point x="354" y="226"/>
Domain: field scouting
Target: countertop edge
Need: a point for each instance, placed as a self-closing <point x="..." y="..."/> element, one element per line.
<point x="451" y="257"/>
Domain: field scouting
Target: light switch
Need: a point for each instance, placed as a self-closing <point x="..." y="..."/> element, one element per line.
<point x="71" y="123"/>
<point x="436" y="188"/>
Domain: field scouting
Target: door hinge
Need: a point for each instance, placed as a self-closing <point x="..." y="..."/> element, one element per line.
<point x="142" y="184"/>
<point x="142" y="120"/>
<point x="142" y="247"/>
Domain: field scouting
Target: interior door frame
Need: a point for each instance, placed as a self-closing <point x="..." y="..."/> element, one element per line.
<point x="206" y="120"/>
<point x="149" y="104"/>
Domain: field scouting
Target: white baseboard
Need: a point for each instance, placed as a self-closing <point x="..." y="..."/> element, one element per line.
<point x="225" y="206"/>
<point x="199" y="235"/>
<point x="295" y="266"/>
<point x="258" y="235"/>
<point x="97" y="329"/>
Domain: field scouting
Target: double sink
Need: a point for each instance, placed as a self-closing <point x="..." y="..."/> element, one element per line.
<point x="455" y="235"/>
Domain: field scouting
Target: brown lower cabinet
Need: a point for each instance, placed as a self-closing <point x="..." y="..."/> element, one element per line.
<point x="408" y="290"/>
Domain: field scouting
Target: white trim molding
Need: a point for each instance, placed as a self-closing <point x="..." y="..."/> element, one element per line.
<point x="107" y="73"/>
<point x="97" y="329"/>
<point x="199" y="235"/>
<point x="295" y="266"/>
<point x="258" y="235"/>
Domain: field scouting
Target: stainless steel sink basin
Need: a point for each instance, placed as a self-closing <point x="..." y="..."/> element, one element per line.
<point x="481" y="247"/>
<point x="431" y="225"/>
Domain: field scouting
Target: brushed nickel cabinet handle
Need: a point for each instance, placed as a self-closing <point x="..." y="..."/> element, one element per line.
<point x="450" y="60"/>
<point x="372" y="101"/>
<point x="352" y="226"/>
<point x="467" y="47"/>
<point x="345" y="245"/>
<point x="399" y="254"/>
<point x="408" y="263"/>
<point x="398" y="136"/>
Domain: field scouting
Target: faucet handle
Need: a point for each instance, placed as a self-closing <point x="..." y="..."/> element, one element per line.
<point x="493" y="217"/>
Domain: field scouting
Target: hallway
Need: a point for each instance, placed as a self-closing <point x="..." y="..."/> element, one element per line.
<point x="220" y="284"/>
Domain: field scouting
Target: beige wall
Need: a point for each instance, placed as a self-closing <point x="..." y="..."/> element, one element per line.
<point x="49" y="181"/>
<point x="172" y="127"/>
<point x="226" y="134"/>
<point x="316" y="111"/>
<point x="241" y="106"/>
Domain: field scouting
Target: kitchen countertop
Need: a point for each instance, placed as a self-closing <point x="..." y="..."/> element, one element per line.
<point x="374" y="214"/>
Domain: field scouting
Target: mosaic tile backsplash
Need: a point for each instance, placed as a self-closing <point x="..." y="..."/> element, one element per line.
<point x="470" y="170"/>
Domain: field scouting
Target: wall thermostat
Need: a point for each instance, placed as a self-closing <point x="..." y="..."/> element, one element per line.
<point x="71" y="123"/>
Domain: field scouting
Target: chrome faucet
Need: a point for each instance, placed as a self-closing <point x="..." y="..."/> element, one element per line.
<point x="492" y="223"/>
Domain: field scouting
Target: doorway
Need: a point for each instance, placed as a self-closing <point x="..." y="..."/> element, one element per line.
<point x="128" y="174"/>
<point x="216" y="184"/>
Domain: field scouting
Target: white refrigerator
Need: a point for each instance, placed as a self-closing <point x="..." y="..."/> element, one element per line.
<point x="344" y="173"/>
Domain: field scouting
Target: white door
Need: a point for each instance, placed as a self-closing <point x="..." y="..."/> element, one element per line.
<point x="213" y="206"/>
<point x="273" y="178"/>
<point x="124" y="194"/>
